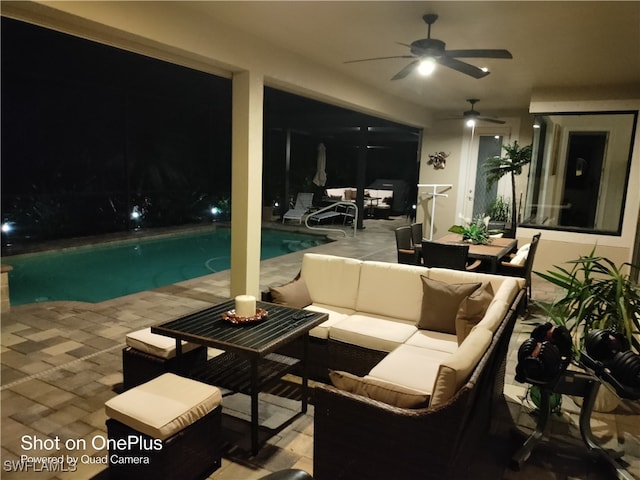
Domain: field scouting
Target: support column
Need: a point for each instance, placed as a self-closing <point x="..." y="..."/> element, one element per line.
<point x="246" y="183"/>
<point x="361" y="174"/>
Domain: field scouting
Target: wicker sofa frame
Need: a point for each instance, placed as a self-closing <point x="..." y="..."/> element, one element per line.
<point x="350" y="431"/>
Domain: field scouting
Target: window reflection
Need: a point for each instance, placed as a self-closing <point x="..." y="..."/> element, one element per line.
<point x="579" y="171"/>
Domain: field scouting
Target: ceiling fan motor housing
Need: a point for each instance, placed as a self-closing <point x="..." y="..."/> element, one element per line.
<point x="428" y="47"/>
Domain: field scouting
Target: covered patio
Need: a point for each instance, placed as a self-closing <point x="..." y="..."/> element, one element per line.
<point x="61" y="361"/>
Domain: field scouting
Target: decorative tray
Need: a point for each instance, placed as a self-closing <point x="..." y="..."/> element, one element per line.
<point x="231" y="317"/>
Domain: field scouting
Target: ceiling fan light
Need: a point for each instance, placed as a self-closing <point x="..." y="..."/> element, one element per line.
<point x="471" y="122"/>
<point x="426" y="66"/>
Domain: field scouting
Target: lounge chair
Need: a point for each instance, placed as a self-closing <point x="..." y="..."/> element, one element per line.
<point x="304" y="202"/>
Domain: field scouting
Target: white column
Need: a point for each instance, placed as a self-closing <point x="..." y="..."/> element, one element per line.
<point x="246" y="183"/>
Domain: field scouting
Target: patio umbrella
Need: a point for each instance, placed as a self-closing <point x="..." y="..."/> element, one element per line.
<point x="320" y="177"/>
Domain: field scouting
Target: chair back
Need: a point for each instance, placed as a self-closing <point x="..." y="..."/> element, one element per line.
<point x="403" y="238"/>
<point x="404" y="246"/>
<point x="416" y="233"/>
<point x="304" y="201"/>
<point x="444" y="255"/>
<point x="528" y="264"/>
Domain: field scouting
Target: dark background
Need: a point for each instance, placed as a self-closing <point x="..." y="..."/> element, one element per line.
<point x="91" y="132"/>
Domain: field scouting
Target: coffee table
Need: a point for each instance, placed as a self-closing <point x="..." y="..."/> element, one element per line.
<point x="249" y="363"/>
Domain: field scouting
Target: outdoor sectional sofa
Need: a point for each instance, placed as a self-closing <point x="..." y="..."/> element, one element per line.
<point x="416" y="356"/>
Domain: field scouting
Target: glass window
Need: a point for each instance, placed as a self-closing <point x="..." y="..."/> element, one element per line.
<point x="579" y="171"/>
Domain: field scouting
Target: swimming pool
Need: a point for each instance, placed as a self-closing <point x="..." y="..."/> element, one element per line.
<point x="98" y="273"/>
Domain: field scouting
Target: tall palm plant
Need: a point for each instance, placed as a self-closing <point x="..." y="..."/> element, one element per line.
<point x="511" y="164"/>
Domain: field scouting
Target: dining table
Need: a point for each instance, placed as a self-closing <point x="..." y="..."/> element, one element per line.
<point x="491" y="253"/>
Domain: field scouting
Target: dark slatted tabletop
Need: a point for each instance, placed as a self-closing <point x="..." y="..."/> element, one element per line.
<point x="207" y="327"/>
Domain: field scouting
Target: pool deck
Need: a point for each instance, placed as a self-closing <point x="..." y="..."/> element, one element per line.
<point x="62" y="360"/>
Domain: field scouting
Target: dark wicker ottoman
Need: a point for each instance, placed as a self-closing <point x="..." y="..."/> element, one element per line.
<point x="183" y="444"/>
<point x="148" y="355"/>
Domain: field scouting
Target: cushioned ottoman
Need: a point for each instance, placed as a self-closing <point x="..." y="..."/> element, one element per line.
<point x="148" y="355"/>
<point x="168" y="428"/>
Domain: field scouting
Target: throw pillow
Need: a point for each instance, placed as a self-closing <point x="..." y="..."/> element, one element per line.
<point x="472" y="310"/>
<point x="440" y="303"/>
<point x="293" y="294"/>
<point x="379" y="390"/>
<point x="521" y="255"/>
<point x="346" y="381"/>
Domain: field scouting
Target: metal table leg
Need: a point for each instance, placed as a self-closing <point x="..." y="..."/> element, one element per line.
<point x="255" y="443"/>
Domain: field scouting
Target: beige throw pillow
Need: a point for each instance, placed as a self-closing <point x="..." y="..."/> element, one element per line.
<point x="293" y="294"/>
<point x="440" y="303"/>
<point x="380" y="390"/>
<point x="472" y="309"/>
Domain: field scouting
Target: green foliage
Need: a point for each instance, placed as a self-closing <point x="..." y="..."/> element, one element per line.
<point x="476" y="232"/>
<point x="500" y="209"/>
<point x="512" y="163"/>
<point x="598" y="295"/>
<point x="497" y="167"/>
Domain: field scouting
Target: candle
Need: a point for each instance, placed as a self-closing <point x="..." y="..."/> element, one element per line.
<point x="245" y="305"/>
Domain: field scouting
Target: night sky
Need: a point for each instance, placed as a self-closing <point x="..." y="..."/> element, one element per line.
<point x="90" y="131"/>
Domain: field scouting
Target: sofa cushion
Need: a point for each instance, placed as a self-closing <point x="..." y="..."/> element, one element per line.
<point x="508" y="289"/>
<point x="455" y="370"/>
<point x="331" y="280"/>
<point x="390" y="289"/>
<point x="335" y="315"/>
<point x="440" y="303"/>
<point x="382" y="391"/>
<point x="472" y="310"/>
<point x="294" y="294"/>
<point x="442" y="342"/>
<point x="371" y="331"/>
<point x="410" y="366"/>
<point x="494" y="315"/>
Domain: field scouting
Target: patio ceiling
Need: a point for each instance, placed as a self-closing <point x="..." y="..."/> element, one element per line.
<point x="568" y="45"/>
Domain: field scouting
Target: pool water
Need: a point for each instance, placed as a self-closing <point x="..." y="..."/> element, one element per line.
<point x="98" y="273"/>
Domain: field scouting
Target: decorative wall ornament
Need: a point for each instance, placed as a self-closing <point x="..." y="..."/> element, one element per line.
<point x="438" y="160"/>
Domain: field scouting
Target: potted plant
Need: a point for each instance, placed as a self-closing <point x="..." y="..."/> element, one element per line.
<point x="597" y="295"/>
<point x="477" y="231"/>
<point x="499" y="212"/>
<point x="511" y="164"/>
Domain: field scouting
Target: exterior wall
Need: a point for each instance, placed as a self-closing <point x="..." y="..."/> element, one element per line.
<point x="557" y="247"/>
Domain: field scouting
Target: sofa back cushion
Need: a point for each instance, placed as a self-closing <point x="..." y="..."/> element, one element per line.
<point x="461" y="276"/>
<point x="391" y="290"/>
<point x="455" y="370"/>
<point x="331" y="280"/>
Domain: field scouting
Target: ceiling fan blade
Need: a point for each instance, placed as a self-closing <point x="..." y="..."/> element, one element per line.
<point x="462" y="67"/>
<point x="405" y="71"/>
<point x="476" y="53"/>
<point x="492" y="120"/>
<point x="378" y="58"/>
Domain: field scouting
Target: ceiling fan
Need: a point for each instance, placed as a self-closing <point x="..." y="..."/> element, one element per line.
<point x="474" y="115"/>
<point x="426" y="52"/>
